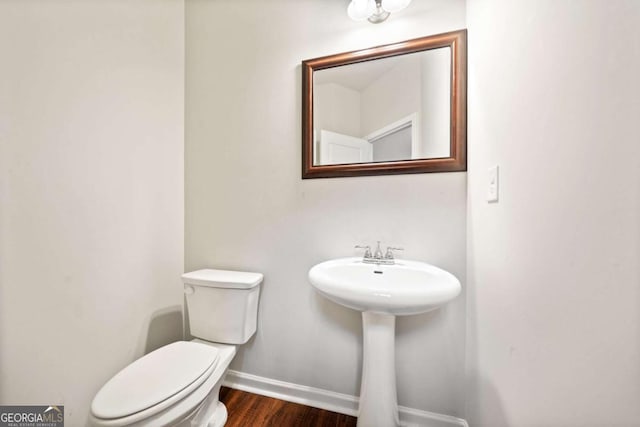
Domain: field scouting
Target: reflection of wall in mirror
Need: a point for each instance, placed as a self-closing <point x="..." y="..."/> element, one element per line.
<point x="336" y="108"/>
<point x="417" y="83"/>
<point x="392" y="96"/>
<point x="436" y="103"/>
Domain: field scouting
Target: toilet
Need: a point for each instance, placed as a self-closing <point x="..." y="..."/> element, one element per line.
<point x="178" y="384"/>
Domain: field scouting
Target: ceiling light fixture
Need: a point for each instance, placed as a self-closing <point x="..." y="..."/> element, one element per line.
<point x="376" y="11"/>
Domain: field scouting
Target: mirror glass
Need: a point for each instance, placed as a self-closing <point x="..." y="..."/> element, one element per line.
<point x="388" y="110"/>
<point x="393" y="109"/>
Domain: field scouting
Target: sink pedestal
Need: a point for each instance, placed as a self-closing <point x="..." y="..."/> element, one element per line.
<point x="382" y="292"/>
<point x="378" y="399"/>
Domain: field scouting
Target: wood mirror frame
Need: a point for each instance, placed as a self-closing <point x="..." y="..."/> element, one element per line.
<point x="457" y="160"/>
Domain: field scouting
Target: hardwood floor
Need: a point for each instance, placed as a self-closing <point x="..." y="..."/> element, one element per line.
<point x="252" y="410"/>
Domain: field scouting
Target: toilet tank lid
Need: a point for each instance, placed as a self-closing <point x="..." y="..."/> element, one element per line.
<point x="222" y="278"/>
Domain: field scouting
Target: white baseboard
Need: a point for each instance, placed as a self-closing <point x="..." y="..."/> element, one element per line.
<point x="329" y="400"/>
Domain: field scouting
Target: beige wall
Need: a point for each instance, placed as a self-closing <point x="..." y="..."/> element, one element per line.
<point x="554" y="301"/>
<point x="393" y="96"/>
<point x="336" y="108"/>
<point x="247" y="207"/>
<point x="91" y="193"/>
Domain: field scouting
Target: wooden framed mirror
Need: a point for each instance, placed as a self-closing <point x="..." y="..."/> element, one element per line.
<point x="393" y="109"/>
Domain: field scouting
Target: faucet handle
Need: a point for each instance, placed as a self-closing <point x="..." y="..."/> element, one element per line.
<point x="367" y="250"/>
<point x="390" y="249"/>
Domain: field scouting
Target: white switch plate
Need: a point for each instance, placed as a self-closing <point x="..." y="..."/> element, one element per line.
<point x="494" y="180"/>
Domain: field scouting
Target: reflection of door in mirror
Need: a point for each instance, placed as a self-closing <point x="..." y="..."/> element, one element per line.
<point x="397" y="141"/>
<point x="392" y="146"/>
<point x="338" y="149"/>
<point x="401" y="105"/>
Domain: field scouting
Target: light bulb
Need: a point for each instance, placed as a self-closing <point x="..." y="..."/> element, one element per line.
<point x="359" y="10"/>
<point x="395" y="5"/>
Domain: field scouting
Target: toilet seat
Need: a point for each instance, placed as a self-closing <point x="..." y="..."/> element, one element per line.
<point x="154" y="382"/>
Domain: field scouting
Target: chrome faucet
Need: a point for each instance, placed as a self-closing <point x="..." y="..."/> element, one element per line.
<point x="377" y="257"/>
<point x="378" y="253"/>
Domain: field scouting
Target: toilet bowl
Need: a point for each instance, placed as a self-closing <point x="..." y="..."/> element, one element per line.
<point x="179" y="384"/>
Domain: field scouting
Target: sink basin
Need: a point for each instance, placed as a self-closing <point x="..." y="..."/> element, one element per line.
<point x="382" y="292"/>
<point x="407" y="287"/>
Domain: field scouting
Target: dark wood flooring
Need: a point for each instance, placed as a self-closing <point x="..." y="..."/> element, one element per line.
<point x="252" y="410"/>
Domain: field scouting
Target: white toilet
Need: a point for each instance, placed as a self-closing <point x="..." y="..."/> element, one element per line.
<point x="178" y="384"/>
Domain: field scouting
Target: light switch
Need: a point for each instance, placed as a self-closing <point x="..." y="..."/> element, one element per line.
<point x="492" y="189"/>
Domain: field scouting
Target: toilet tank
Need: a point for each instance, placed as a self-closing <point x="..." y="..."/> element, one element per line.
<point x="222" y="305"/>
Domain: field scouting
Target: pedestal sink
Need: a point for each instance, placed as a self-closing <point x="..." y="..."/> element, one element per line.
<point x="382" y="292"/>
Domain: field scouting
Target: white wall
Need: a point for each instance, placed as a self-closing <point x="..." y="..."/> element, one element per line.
<point x="554" y="301"/>
<point x="247" y="207"/>
<point x="91" y="193"/>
